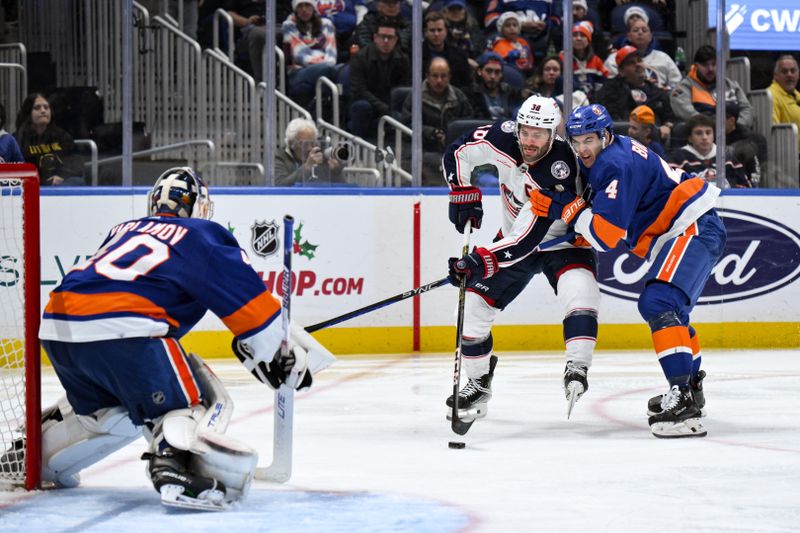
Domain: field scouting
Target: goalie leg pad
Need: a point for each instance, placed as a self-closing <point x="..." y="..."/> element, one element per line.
<point x="72" y="442"/>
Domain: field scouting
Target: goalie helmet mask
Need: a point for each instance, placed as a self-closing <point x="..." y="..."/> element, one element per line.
<point x="180" y="192"/>
<point x="540" y="112"/>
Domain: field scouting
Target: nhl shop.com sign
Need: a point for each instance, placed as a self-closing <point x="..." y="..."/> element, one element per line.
<point x="761" y="256"/>
<point x="760" y="24"/>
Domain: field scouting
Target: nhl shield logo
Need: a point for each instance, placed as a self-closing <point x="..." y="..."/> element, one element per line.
<point x="264" y="238"/>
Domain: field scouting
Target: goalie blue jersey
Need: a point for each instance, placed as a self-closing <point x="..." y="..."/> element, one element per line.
<point x="638" y="199"/>
<point x="157" y="277"/>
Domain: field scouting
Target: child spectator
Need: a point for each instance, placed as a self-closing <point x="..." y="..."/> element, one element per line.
<point x="589" y="72"/>
<point x="514" y="49"/>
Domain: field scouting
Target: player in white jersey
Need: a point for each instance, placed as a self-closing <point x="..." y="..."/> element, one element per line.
<point x="524" y="155"/>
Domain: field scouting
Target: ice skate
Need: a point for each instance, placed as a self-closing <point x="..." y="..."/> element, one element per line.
<point x="679" y="417"/>
<point x="654" y="404"/>
<point x="474" y="398"/>
<point x="575" y="383"/>
<point x="179" y="487"/>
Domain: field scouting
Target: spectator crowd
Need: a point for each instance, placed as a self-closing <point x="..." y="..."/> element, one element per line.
<point x="480" y="60"/>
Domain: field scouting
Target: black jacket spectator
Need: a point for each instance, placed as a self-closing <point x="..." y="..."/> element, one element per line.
<point x="369" y="25"/>
<point x="372" y="78"/>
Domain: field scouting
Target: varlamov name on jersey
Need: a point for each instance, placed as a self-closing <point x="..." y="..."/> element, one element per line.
<point x="494" y="148"/>
<point x="157" y="276"/>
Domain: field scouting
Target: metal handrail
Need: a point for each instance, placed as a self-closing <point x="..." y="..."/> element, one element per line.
<point x="161" y="149"/>
<point x="398" y="146"/>
<point x="210" y="166"/>
<point x="373" y="172"/>
<point x="324" y="80"/>
<point x="220" y="14"/>
<point x="93" y="162"/>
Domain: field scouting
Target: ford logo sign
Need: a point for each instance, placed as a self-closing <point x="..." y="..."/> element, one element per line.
<point x="760" y="256"/>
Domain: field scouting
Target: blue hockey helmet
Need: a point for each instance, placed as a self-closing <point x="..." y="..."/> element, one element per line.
<point x="592" y="118"/>
<point x="181" y="192"/>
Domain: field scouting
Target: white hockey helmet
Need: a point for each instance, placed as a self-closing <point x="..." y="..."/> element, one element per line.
<point x="540" y="112"/>
<point x="181" y="192"/>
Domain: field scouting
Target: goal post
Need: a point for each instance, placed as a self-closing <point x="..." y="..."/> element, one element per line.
<point x="20" y="310"/>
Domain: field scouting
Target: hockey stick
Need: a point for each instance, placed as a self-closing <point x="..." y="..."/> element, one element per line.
<point x="280" y="470"/>
<point x="459" y="426"/>
<point x="410" y="293"/>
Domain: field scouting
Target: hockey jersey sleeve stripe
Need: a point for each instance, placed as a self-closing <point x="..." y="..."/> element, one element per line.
<point x="253" y="315"/>
<point x="72" y="304"/>
<point x="682" y="195"/>
<point x="181" y="367"/>
<point x="606" y="233"/>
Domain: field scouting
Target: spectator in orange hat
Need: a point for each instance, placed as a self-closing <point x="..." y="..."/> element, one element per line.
<point x="642" y="127"/>
<point x="589" y="72"/>
<point x="631" y="88"/>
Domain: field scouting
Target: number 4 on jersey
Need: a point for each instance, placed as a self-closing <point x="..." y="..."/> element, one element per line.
<point x="611" y="190"/>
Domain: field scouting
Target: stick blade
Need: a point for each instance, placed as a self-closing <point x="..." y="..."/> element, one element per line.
<point x="460" y="427"/>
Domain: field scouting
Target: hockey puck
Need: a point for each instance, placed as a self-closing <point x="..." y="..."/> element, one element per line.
<point x="456" y="445"/>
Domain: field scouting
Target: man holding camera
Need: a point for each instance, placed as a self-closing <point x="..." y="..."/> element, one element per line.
<point x="304" y="161"/>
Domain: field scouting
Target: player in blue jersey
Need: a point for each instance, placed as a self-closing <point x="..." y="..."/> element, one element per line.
<point x="523" y="155"/>
<point x="112" y="330"/>
<point x="665" y="216"/>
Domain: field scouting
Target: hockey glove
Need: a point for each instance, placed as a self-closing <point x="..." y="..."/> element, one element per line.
<point x="465" y="204"/>
<point x="481" y="263"/>
<point x="277" y="371"/>
<point x="554" y="205"/>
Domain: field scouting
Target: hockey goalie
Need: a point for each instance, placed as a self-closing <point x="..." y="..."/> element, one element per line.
<point x="111" y="330"/>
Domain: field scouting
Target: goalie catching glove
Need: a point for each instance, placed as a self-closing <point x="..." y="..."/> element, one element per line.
<point x="481" y="263"/>
<point x="556" y="205"/>
<point x="465" y="205"/>
<point x="291" y="369"/>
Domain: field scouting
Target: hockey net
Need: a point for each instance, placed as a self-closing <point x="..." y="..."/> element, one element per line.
<point x="20" y="429"/>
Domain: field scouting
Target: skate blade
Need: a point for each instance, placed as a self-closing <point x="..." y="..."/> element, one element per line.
<point x="574" y="391"/>
<point x="468" y="415"/>
<point x="691" y="427"/>
<point x="172" y="496"/>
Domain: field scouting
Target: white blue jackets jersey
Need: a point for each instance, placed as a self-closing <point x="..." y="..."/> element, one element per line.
<point x="495" y="147"/>
<point x="637" y="198"/>
<point x="157" y="277"/>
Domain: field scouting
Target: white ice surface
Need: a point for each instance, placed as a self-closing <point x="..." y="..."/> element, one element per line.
<point x="371" y="455"/>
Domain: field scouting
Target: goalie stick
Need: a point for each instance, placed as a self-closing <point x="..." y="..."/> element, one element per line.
<point x="280" y="470"/>
<point x="411" y="293"/>
<point x="459" y="426"/>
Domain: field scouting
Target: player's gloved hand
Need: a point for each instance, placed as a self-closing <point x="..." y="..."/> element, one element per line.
<point x="554" y="205"/>
<point x="465" y="204"/>
<point x="291" y="369"/>
<point x="480" y="263"/>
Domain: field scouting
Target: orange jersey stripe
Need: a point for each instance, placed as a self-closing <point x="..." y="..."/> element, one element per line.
<point x="670" y="338"/>
<point x="607" y="232"/>
<point x="77" y="304"/>
<point x="185" y="376"/>
<point x="677" y="199"/>
<point x="252" y="314"/>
